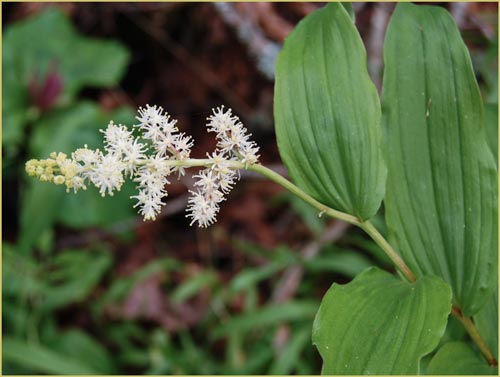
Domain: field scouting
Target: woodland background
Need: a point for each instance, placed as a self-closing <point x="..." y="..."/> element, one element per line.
<point x="88" y="287"/>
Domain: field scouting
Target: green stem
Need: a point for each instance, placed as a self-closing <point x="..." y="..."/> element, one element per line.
<point x="387" y="248"/>
<point x="273" y="176"/>
<point x="475" y="335"/>
<point x="366" y="226"/>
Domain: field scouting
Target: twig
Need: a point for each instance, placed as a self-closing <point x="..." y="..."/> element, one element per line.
<point x="260" y="48"/>
<point x="459" y="13"/>
<point x="378" y="24"/>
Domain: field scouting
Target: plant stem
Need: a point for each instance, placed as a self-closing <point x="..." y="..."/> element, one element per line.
<point x="475" y="335"/>
<point x="272" y="175"/>
<point x="365" y="225"/>
<point x="387" y="248"/>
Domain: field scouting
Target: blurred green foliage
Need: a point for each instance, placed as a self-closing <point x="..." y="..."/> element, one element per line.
<point x="58" y="301"/>
<point x="43" y="80"/>
<point x="50" y="45"/>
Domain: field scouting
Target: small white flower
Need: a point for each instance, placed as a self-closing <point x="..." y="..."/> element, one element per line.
<point x="76" y="183"/>
<point x="152" y="178"/>
<point x="107" y="175"/>
<point x="206" y="179"/>
<point x="150" y="204"/>
<point x="183" y="146"/>
<point x="133" y="155"/>
<point x="249" y="154"/>
<point x="164" y="144"/>
<point x="87" y="157"/>
<point x="220" y="122"/>
<point x="150" y="115"/>
<point x="201" y="210"/>
<point x="116" y="137"/>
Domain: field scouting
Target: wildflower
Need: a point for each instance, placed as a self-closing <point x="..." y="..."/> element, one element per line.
<point x="218" y="179"/>
<point x="201" y="209"/>
<point x="149" y="159"/>
<point x="107" y="174"/>
<point x="232" y="136"/>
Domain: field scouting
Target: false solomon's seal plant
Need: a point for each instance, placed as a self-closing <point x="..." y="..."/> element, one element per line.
<point x="423" y="151"/>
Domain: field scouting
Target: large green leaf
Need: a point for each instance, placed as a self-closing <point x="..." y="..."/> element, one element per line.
<point x="327" y="114"/>
<point x="458" y="358"/>
<point x="48" y="41"/>
<point x="379" y="324"/>
<point x="441" y="200"/>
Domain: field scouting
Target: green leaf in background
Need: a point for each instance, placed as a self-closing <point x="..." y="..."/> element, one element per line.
<point x="458" y="358"/>
<point x="120" y="287"/>
<point x="327" y="114"/>
<point x="72" y="276"/>
<point x="290" y="354"/>
<point x="42" y="359"/>
<point x="333" y="259"/>
<point x="64" y="131"/>
<point x="379" y="324"/>
<point x="48" y="42"/>
<point x="441" y="200"/>
<point x="193" y="285"/>
<point x="268" y="316"/>
<point x="80" y="346"/>
<point x="250" y="277"/>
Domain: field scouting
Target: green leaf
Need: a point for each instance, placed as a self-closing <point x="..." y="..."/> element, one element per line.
<point x="80" y="346"/>
<point x="41" y="359"/>
<point x="49" y="40"/>
<point x="378" y="324"/>
<point x="268" y="316"/>
<point x="327" y="114"/>
<point x="290" y="354"/>
<point x="457" y="358"/>
<point x="441" y="200"/>
<point x="193" y="285"/>
<point x="250" y="277"/>
<point x="486" y="321"/>
<point x="19" y="274"/>
<point x="72" y="277"/>
<point x="122" y="286"/>
<point x="346" y="262"/>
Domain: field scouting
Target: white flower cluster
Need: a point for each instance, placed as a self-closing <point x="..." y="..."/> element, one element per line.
<point x="169" y="145"/>
<point x="164" y="151"/>
<point x="218" y="179"/>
